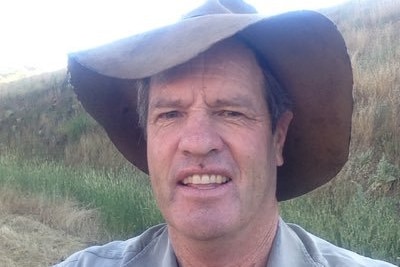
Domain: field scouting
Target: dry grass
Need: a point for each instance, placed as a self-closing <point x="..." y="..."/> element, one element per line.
<point x="25" y="242"/>
<point x="63" y="214"/>
<point x="371" y="32"/>
<point x="94" y="149"/>
<point x="22" y="82"/>
<point x="46" y="230"/>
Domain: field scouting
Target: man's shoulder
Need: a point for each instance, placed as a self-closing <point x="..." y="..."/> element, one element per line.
<point x="330" y="255"/>
<point x="115" y="253"/>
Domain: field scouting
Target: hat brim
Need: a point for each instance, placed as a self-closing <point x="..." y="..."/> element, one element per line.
<point x="304" y="51"/>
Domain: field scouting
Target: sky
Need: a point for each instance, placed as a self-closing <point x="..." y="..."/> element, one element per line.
<point x="40" y="33"/>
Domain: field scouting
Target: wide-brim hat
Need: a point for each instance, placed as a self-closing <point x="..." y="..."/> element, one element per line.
<point x="303" y="49"/>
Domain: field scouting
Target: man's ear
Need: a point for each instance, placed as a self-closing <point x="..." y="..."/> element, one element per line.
<point x="281" y="130"/>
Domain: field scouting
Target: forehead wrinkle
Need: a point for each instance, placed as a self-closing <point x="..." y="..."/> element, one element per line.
<point x="180" y="71"/>
<point x="231" y="62"/>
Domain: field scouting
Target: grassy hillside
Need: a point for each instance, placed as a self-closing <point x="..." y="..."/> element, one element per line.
<point x="43" y="127"/>
<point x="41" y="117"/>
<point x="371" y="31"/>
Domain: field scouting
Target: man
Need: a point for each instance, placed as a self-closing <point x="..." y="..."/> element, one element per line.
<point x="229" y="113"/>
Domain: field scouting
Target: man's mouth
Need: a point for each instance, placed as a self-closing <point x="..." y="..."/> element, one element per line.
<point x="205" y="179"/>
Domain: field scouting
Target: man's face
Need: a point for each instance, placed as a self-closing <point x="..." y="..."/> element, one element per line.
<point x="211" y="153"/>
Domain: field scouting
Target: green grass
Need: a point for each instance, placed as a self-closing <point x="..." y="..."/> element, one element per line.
<point x="77" y="126"/>
<point x="350" y="217"/>
<point x="123" y="197"/>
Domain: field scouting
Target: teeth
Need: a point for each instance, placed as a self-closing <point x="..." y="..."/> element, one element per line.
<point x="196" y="179"/>
<point x="205" y="179"/>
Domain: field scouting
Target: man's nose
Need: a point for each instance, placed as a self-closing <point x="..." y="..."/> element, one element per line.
<point x="199" y="136"/>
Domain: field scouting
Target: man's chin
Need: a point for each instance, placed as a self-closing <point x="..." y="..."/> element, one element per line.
<point x="203" y="228"/>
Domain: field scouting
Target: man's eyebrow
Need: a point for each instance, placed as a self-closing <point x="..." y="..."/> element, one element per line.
<point x="240" y="101"/>
<point x="166" y="103"/>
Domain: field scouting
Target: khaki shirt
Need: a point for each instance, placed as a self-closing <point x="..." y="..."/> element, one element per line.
<point x="292" y="247"/>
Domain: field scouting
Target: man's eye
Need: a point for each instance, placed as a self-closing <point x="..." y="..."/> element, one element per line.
<point x="230" y="113"/>
<point x="170" y="115"/>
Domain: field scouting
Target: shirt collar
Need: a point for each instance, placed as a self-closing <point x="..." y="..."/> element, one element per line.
<point x="289" y="250"/>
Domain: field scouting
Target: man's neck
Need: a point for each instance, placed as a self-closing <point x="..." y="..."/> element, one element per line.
<point x="250" y="247"/>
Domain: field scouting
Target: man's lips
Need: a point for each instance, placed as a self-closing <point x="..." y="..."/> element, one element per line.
<point x="205" y="179"/>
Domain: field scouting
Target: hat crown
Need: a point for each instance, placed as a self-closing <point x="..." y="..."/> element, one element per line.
<point x="221" y="7"/>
